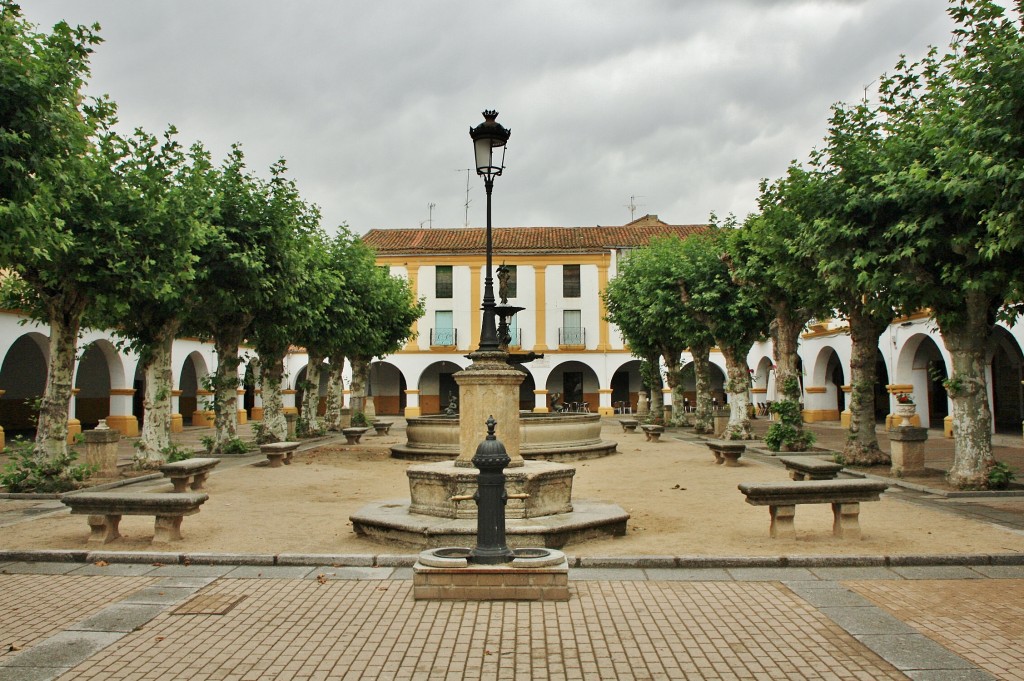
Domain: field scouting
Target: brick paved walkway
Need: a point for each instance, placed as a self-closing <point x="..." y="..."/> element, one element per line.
<point x="142" y="621"/>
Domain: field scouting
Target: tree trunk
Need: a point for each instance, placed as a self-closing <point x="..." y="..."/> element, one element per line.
<point x="785" y="341"/>
<point x="861" y="446"/>
<point x="335" y="393"/>
<point x="968" y="388"/>
<point x="311" y="396"/>
<point x="674" y="376"/>
<point x="704" y="416"/>
<point x="360" y="369"/>
<point x="156" y="423"/>
<point x="657" y="397"/>
<point x="275" y="426"/>
<point x="737" y="386"/>
<point x="65" y="317"/>
<point x="225" y="404"/>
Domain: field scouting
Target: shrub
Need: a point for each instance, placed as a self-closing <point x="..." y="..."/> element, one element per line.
<point x="359" y="420"/>
<point x="173" y="453"/>
<point x="999" y="475"/>
<point x="786" y="431"/>
<point x="235" y="445"/>
<point x="26" y="473"/>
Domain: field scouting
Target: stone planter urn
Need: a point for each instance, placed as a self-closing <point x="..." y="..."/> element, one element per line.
<point x="906" y="411"/>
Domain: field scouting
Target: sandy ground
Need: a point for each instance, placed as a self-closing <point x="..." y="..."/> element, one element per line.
<point x="680" y="503"/>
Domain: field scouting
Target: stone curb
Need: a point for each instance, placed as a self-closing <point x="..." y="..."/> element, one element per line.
<point x="408" y="560"/>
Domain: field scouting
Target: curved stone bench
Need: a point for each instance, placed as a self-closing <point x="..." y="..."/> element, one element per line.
<point x="782" y="498"/>
<point x="278" y="453"/>
<point x="729" y="454"/>
<point x="810" y="468"/>
<point x="106" y="508"/>
<point x="189" y="472"/>
<point x="352" y="435"/>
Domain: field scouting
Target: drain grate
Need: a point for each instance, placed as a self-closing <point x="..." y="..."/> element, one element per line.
<point x="208" y="604"/>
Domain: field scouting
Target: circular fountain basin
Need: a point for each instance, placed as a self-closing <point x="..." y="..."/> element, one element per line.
<point x="544" y="437"/>
<point x="460" y="557"/>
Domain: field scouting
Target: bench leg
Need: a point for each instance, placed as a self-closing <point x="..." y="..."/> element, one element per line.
<point x="167" y="529"/>
<point x="275" y="460"/>
<point x="288" y="459"/>
<point x="782" y="522"/>
<point x="199" y="481"/>
<point x="103" y="528"/>
<point x="718" y="457"/>
<point x="732" y="460"/>
<point x="846" y="520"/>
<point x="797" y="475"/>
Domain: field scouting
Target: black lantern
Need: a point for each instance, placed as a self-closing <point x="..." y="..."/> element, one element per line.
<point x="487" y="137"/>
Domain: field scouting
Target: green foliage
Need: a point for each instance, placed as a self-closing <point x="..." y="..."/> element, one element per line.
<point x="234" y="445"/>
<point x="303" y="430"/>
<point x="359" y="420"/>
<point x="209" y="442"/>
<point x="28" y="473"/>
<point x="786" y="431"/>
<point x="999" y="475"/>
<point x="173" y="453"/>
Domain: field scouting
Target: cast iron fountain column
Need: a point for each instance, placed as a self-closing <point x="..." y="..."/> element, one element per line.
<point x="491" y="459"/>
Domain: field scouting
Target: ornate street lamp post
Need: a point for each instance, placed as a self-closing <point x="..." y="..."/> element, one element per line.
<point x="487" y="137"/>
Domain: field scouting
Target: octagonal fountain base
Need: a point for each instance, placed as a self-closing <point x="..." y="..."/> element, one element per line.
<point x="393" y="521"/>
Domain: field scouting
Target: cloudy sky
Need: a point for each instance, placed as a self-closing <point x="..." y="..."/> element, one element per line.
<point x="682" y="104"/>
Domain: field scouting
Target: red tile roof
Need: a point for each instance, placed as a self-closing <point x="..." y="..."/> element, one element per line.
<point x="513" y="240"/>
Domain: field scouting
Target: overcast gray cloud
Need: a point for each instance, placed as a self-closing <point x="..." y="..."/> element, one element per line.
<point x="684" y="104"/>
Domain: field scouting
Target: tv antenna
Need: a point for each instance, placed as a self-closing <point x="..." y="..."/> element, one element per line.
<point x="632" y="206"/>
<point x="467" y="171"/>
<point x="430" y="215"/>
<point x="866" y="89"/>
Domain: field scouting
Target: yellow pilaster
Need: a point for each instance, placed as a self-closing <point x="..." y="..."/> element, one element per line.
<point x="474" y="316"/>
<point x="603" y="332"/>
<point x="414" y="281"/>
<point x="540" y="305"/>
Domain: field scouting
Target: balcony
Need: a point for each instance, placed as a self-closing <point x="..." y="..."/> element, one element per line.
<point x="444" y="338"/>
<point x="572" y="336"/>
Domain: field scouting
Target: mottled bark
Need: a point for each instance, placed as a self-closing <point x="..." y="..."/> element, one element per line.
<point x="360" y="371"/>
<point x="311" y="396"/>
<point x="335" y="393"/>
<point x="704" y="421"/>
<point x="674" y="378"/>
<point x="52" y="424"/>
<point x="966" y="339"/>
<point x="785" y="341"/>
<point x="275" y="426"/>
<point x="156" y="424"/>
<point x="861" y="446"/>
<point x="225" y="403"/>
<point x="737" y="385"/>
<point x="657" y="397"/>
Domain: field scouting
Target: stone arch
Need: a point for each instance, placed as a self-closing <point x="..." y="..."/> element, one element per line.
<point x="717" y="379"/>
<point x="387" y="385"/>
<point x="917" y="360"/>
<point x="99" y="371"/>
<point x="437" y="385"/>
<point x="191" y="380"/>
<point x="626" y="384"/>
<point x="23" y="381"/>
<point x="762" y="384"/>
<point x="824" y="399"/>
<point x="574" y="381"/>
<point x="1007" y="371"/>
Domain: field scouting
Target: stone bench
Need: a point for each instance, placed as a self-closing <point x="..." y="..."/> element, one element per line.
<point x="729" y="454"/>
<point x="189" y="472"/>
<point x="652" y="432"/>
<point x="352" y="435"/>
<point x="629" y="425"/>
<point x="810" y="468"/>
<point x="782" y="498"/>
<point x="382" y="427"/>
<point x="279" y="453"/>
<point x="106" y="508"/>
